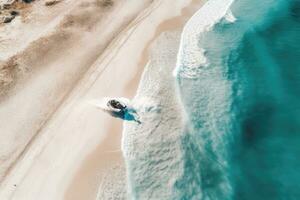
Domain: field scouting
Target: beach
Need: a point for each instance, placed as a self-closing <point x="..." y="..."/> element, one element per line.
<point x="149" y="99"/>
<point x="57" y="145"/>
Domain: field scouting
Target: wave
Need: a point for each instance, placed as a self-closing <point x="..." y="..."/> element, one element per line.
<point x="191" y="57"/>
<point x="206" y="97"/>
<point x="232" y="78"/>
<point x="152" y="149"/>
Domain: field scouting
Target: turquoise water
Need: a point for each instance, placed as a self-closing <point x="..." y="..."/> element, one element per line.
<point x="242" y="135"/>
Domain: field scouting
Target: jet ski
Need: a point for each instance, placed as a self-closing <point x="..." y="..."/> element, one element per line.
<point x="117" y="106"/>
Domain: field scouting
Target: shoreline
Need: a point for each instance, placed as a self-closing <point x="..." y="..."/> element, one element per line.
<point x="74" y="192"/>
<point x="167" y="25"/>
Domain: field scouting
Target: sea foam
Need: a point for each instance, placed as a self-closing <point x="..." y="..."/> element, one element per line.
<point x="191" y="58"/>
<point x="152" y="149"/>
<point x="156" y="151"/>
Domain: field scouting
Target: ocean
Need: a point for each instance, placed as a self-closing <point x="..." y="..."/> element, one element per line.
<point x="238" y="73"/>
<point x="226" y="124"/>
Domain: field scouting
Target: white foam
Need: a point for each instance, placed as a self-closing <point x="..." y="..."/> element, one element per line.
<point x="191" y="58"/>
<point x="152" y="149"/>
<point x="230" y="17"/>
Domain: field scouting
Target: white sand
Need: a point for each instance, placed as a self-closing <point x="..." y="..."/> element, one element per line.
<point x="71" y="152"/>
<point x="54" y="66"/>
<point x="50" y="68"/>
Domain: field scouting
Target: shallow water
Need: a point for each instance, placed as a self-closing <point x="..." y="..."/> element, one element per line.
<point x="242" y="137"/>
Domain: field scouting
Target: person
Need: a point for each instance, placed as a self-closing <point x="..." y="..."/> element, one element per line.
<point x="120" y="109"/>
<point x="116" y="104"/>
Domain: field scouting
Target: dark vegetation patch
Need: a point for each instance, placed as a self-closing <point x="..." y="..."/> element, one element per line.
<point x="8" y="11"/>
<point x="8" y="74"/>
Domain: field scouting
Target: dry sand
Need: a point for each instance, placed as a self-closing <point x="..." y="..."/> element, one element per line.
<point x="48" y="68"/>
<point x="79" y="146"/>
<point x="53" y="62"/>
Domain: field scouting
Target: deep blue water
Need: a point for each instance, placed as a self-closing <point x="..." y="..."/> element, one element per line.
<point x="242" y="136"/>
